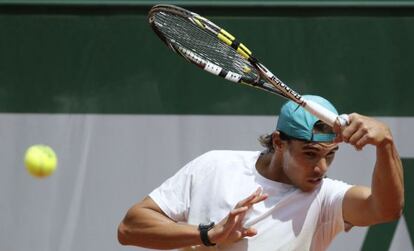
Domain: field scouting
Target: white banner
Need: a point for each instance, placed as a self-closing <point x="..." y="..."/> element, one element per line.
<point x="109" y="162"/>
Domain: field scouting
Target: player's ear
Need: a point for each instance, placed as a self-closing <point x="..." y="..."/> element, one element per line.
<point x="276" y="140"/>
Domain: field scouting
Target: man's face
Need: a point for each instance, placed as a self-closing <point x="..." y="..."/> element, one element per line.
<point x="306" y="163"/>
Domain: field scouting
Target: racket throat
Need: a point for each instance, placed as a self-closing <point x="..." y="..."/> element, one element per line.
<point x="271" y="78"/>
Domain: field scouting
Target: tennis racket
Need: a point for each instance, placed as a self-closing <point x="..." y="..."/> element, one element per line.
<point x="215" y="50"/>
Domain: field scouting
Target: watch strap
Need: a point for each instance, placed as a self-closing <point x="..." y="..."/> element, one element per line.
<point x="204" y="228"/>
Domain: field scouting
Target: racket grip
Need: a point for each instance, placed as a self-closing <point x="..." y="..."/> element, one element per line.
<point x="343" y="120"/>
<point x="325" y="115"/>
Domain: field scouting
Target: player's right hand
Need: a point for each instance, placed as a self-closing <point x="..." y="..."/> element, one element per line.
<point x="362" y="130"/>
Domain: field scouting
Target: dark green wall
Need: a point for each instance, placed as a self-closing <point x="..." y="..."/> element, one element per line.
<point x="105" y="59"/>
<point x="220" y="2"/>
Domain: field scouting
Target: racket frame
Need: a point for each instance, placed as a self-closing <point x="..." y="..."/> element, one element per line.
<point x="265" y="80"/>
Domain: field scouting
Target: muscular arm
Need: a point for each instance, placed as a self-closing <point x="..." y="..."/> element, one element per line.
<point x="145" y="225"/>
<point x="384" y="201"/>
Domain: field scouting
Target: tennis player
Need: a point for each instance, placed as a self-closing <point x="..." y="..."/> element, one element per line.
<point x="277" y="199"/>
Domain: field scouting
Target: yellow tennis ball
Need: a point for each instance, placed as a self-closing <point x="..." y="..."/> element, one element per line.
<point x="40" y="160"/>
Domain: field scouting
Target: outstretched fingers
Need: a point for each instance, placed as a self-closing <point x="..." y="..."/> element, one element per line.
<point x="236" y="216"/>
<point x="249" y="232"/>
<point x="254" y="198"/>
<point x="238" y="211"/>
<point x="231" y="229"/>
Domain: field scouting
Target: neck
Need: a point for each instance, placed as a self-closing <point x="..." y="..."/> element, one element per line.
<point x="269" y="165"/>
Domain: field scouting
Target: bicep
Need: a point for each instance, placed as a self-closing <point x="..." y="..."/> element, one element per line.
<point x="147" y="209"/>
<point x="139" y="219"/>
<point x="358" y="208"/>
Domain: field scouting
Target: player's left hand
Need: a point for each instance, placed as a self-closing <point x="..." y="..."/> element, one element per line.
<point x="231" y="229"/>
<point x="362" y="131"/>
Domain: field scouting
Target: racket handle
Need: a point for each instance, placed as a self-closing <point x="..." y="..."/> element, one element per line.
<point x="325" y="115"/>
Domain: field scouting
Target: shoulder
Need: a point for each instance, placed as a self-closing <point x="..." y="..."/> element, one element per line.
<point x="223" y="159"/>
<point x="227" y="155"/>
<point x="333" y="183"/>
<point x="332" y="188"/>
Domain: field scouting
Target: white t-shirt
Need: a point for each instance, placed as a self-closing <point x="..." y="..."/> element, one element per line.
<point x="207" y="188"/>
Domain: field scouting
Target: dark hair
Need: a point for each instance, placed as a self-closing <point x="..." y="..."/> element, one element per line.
<point x="284" y="136"/>
<point x="322" y="127"/>
<point x="266" y="139"/>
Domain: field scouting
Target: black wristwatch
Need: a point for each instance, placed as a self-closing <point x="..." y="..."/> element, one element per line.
<point x="204" y="228"/>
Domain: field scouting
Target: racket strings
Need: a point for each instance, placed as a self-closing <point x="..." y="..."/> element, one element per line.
<point x="182" y="32"/>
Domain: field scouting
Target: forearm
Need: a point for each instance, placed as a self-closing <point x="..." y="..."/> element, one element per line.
<point x="388" y="183"/>
<point x="147" y="228"/>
